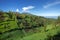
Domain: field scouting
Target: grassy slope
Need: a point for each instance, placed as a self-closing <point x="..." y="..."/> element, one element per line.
<point x="43" y="35"/>
<point x="51" y="30"/>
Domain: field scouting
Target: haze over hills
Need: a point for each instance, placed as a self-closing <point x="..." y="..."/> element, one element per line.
<point x="55" y="17"/>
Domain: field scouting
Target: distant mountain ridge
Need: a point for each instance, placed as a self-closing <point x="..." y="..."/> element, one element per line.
<point x="55" y="17"/>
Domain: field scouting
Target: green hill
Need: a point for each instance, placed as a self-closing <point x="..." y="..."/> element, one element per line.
<point x="25" y="26"/>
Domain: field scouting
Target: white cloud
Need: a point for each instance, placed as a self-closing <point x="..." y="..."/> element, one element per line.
<point x="17" y="10"/>
<point x="25" y="9"/>
<point x="51" y="4"/>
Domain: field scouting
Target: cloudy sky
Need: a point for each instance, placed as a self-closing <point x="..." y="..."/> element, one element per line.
<point x="36" y="7"/>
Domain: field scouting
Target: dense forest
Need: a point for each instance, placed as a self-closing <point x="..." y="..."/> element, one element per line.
<point x="26" y="26"/>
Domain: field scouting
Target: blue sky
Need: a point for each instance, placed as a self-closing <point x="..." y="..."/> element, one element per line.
<point x="36" y="7"/>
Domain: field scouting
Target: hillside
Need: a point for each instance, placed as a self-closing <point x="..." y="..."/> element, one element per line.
<point x="25" y="26"/>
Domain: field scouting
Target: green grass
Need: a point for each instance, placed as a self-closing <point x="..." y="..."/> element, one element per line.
<point x="12" y="35"/>
<point x="37" y="36"/>
<point x="43" y="35"/>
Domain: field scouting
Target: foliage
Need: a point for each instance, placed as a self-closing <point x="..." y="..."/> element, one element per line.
<point x="25" y="26"/>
